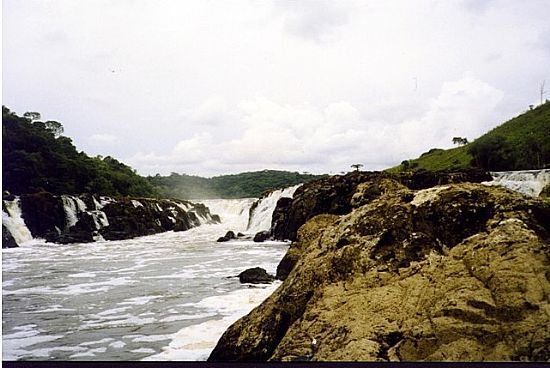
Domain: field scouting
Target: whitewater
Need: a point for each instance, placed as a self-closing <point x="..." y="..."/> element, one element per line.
<point x="168" y="296"/>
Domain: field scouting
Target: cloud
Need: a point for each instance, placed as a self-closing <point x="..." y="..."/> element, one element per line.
<point x="312" y="19"/>
<point x="332" y="137"/>
<point x="103" y="139"/>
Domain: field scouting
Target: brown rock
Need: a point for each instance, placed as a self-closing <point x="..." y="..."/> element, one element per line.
<point x="452" y="273"/>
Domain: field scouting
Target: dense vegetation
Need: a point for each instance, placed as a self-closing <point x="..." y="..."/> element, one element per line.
<point x="521" y="143"/>
<point x="249" y="184"/>
<point x="36" y="157"/>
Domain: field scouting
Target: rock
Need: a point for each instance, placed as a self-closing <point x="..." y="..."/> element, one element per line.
<point x="7" y="196"/>
<point x="115" y="219"/>
<point x="240" y="235"/>
<point x="339" y="194"/>
<point x="230" y="235"/>
<point x="42" y="212"/>
<point x="7" y="239"/>
<point x="261" y="236"/>
<point x="545" y="192"/>
<point x="255" y="275"/>
<point x="456" y="272"/>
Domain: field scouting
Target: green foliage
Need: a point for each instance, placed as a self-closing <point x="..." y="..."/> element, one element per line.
<point x="244" y="185"/>
<point x="521" y="143"/>
<point x="35" y="157"/>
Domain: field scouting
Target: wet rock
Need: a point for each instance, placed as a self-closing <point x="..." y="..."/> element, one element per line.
<point x="42" y="212"/>
<point x="7" y="239"/>
<point x="545" y="192"/>
<point x="261" y="236"/>
<point x="456" y="272"/>
<point x="256" y="275"/>
<point x="230" y="235"/>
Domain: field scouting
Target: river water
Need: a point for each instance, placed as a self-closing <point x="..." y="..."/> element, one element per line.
<point x="168" y="296"/>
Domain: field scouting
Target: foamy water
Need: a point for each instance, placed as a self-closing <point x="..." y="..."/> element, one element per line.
<point x="168" y="296"/>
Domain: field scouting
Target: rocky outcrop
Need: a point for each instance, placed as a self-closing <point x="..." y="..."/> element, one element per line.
<point x="256" y="275"/>
<point x="7" y="239"/>
<point x="451" y="273"/>
<point x="334" y="195"/>
<point x="86" y="218"/>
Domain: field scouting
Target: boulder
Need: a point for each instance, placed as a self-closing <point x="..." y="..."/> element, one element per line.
<point x="451" y="273"/>
<point x="7" y="239"/>
<point x="545" y="192"/>
<point x="230" y="235"/>
<point x="261" y="236"/>
<point x="256" y="275"/>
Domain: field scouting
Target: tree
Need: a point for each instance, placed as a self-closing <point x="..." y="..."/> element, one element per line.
<point x="357" y="166"/>
<point x="406" y="164"/>
<point x="460" y="141"/>
<point x="55" y="127"/>
<point x="32" y="115"/>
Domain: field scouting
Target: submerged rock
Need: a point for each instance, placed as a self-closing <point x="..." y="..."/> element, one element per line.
<point x="261" y="236"/>
<point x="256" y="275"/>
<point x="451" y="273"/>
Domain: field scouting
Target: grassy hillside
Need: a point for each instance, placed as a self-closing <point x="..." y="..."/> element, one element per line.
<point x="521" y="143"/>
<point x="248" y="184"/>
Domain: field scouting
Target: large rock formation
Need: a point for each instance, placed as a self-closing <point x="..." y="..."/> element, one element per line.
<point x="335" y="194"/>
<point x="456" y="272"/>
<point x="85" y="218"/>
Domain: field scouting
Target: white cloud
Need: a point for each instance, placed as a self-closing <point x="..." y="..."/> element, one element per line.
<point x="215" y="87"/>
<point x="103" y="139"/>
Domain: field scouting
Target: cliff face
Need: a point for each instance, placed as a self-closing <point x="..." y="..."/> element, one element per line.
<point x="456" y="272"/>
<point x="85" y="218"/>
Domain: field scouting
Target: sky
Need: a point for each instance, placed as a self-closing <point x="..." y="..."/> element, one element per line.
<point x="217" y="87"/>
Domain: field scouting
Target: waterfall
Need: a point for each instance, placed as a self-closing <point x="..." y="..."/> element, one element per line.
<point x="528" y="182"/>
<point x="13" y="221"/>
<point x="260" y="218"/>
<point x="233" y="212"/>
<point x="72" y="207"/>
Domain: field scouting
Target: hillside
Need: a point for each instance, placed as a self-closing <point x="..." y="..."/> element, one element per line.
<point x="521" y="143"/>
<point x="37" y="157"/>
<point x="243" y="185"/>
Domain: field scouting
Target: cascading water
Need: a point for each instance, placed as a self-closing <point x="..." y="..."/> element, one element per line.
<point x="233" y="212"/>
<point x="528" y="182"/>
<point x="163" y="297"/>
<point x="13" y="221"/>
<point x="260" y="219"/>
<point x="72" y="207"/>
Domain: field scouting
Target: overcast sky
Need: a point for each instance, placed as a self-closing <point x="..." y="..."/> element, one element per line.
<point x="215" y="87"/>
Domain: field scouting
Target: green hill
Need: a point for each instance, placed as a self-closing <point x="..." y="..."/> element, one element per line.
<point x="37" y="157"/>
<point x="243" y="185"/>
<point x="521" y="143"/>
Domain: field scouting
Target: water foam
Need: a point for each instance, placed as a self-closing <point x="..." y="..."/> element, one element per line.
<point x="260" y="219"/>
<point x="15" y="224"/>
<point x="527" y="182"/>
